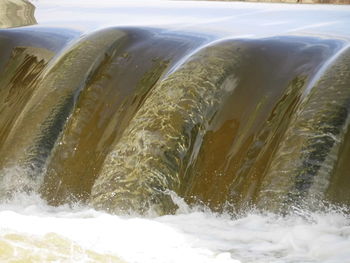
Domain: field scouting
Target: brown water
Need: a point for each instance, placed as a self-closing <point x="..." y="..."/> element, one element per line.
<point x="120" y="116"/>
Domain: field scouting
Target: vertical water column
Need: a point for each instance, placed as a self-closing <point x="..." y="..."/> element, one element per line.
<point x="151" y="157"/>
<point x="302" y="167"/>
<point x="34" y="132"/>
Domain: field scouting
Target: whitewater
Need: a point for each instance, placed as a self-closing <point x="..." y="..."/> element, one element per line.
<point x="32" y="231"/>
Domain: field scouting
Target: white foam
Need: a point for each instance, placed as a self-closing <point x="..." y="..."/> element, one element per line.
<point x="188" y="237"/>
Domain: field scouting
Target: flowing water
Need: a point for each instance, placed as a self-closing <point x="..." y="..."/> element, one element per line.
<point x="174" y="132"/>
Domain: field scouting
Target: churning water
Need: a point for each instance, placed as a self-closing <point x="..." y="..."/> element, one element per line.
<point x="32" y="231"/>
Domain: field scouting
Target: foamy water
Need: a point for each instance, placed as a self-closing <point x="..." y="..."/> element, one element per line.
<point x="32" y="231"/>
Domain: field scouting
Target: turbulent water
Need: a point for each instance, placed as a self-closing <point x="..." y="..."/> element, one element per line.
<point x="174" y="132"/>
<point x="32" y="231"/>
